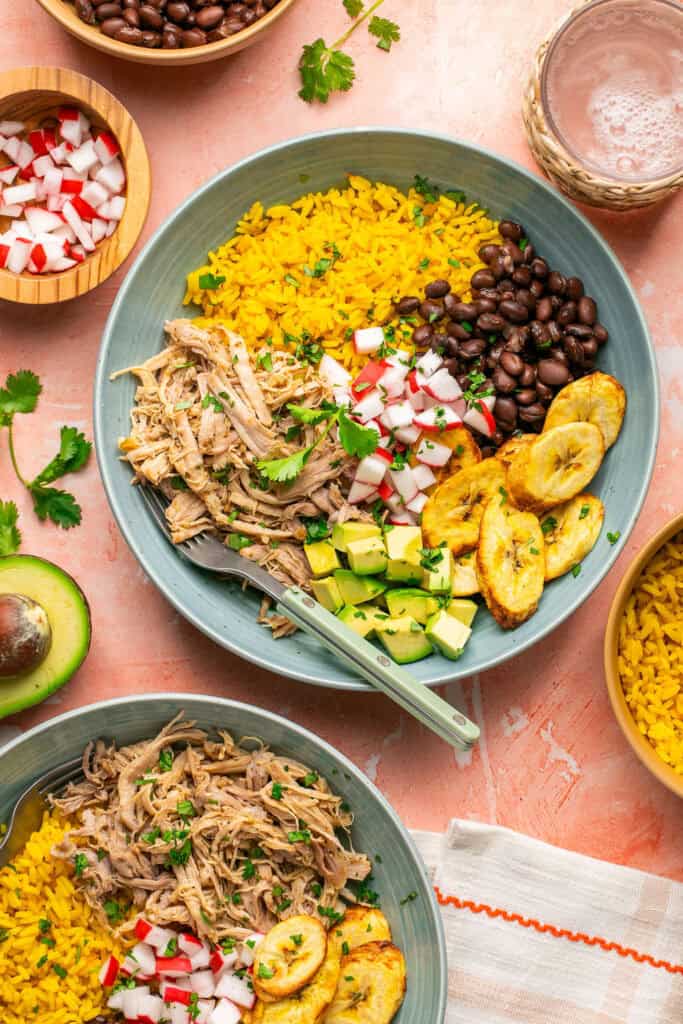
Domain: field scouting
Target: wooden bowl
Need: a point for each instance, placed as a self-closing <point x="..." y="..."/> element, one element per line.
<point x="31" y="94"/>
<point x="639" y="743"/>
<point x="65" y="13"/>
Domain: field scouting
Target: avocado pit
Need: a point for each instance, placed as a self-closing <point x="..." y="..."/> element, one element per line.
<point x="25" y="635"/>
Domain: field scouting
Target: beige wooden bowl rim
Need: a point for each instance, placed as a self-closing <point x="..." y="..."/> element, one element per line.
<point x="65" y="14"/>
<point x="69" y="86"/>
<point x="642" y="749"/>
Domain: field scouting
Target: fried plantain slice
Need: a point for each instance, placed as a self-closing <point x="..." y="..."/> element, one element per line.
<point x="308" y="1005"/>
<point x="555" y="467"/>
<point x="570" y="532"/>
<point x="510" y="563"/>
<point x="289" y="956"/>
<point x="361" y="925"/>
<point x="371" y="988"/>
<point x="453" y="512"/>
<point x="598" y="398"/>
<point x="507" y="451"/>
<point x="466" y="452"/>
<point x="465" y="582"/>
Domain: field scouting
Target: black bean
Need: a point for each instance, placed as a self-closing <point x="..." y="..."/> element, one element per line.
<point x="514" y="252"/>
<point x="588" y="312"/>
<point x="579" y="330"/>
<point x="566" y="314"/>
<point x="437" y="289"/>
<point x="126" y="34"/>
<point x="132" y="17"/>
<point x="450" y="301"/>
<point x="554" y="331"/>
<point x="112" y="26"/>
<point x="152" y="40"/>
<point x="431" y="311"/>
<point x="505" y="411"/>
<point x="600" y="334"/>
<point x="539" y="333"/>
<point x="527" y="298"/>
<point x="422" y="335"/>
<point x="510" y="229"/>
<point x="463" y="380"/>
<point x="557" y="282"/>
<point x="485" y="305"/>
<point x="552" y="373"/>
<point x="501" y="265"/>
<point x="472" y="348"/>
<point x="490" y="323"/>
<point x="464" y="311"/>
<point x="129" y="3"/>
<point x="487" y="252"/>
<point x="488" y="293"/>
<point x="210" y="17"/>
<point x="544" y="392"/>
<point x="515" y="311"/>
<point x="544" y="308"/>
<point x="85" y="11"/>
<point x="438" y="343"/>
<point x="458" y="332"/>
<point x="529" y="253"/>
<point x="483" y="279"/>
<point x="452" y="365"/>
<point x="537" y="288"/>
<point x="453" y="347"/>
<point x="511" y="363"/>
<point x="560" y="355"/>
<point x="574" y="288"/>
<point x="525" y="396"/>
<point x="171" y="37"/>
<point x="527" y="377"/>
<point x="522" y="276"/>
<point x="590" y="348"/>
<point x="193" y="37"/>
<point x="502" y="381"/>
<point x="178" y="11"/>
<point x="107" y="11"/>
<point x="407" y="305"/>
<point x="533" y="413"/>
<point x="539" y="268"/>
<point x="150" y="17"/>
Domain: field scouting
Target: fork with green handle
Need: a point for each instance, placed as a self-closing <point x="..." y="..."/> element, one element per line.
<point x="208" y="553"/>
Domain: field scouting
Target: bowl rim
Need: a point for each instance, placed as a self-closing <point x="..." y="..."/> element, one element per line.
<point x="65" y="14"/>
<point x="226" y="705"/>
<point x="640" y="746"/>
<point x="101" y="381"/>
<point x="82" y="90"/>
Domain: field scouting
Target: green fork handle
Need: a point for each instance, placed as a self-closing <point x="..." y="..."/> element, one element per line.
<point x="370" y="663"/>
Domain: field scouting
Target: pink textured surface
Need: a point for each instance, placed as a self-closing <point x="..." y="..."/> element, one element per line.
<point x="552" y="762"/>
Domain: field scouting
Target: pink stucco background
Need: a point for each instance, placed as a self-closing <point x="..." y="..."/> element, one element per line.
<point x="552" y="761"/>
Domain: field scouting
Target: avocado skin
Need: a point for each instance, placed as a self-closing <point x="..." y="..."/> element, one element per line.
<point x="22" y="692"/>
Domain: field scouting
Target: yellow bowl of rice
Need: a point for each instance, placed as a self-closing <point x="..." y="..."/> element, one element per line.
<point x="643" y="655"/>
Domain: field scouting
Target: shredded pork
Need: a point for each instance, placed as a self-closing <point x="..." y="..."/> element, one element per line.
<point x="218" y="836"/>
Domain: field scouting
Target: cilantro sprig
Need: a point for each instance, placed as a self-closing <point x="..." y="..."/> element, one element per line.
<point x="20" y="396"/>
<point x="326" y="69"/>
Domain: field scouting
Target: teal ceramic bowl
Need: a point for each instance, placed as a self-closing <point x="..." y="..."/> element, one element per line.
<point x="416" y="924"/>
<point x="153" y="292"/>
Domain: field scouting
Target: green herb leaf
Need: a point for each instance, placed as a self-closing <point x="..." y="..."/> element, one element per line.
<point x="330" y="913"/>
<point x="210" y="281"/>
<point x="74" y="452"/>
<point x="614" y="537"/>
<point x="178" y="484"/>
<point x="44" y="924"/>
<point x="114" y="911"/>
<point x="419" y="218"/>
<point x="353" y="7"/>
<point x="211" y="400"/>
<point x="237" y="541"/>
<point x="309" y="779"/>
<point x="249" y="870"/>
<point x="186" y="810"/>
<point x="576" y="571"/>
<point x="503" y="495"/>
<point x="324" y="70"/>
<point x="549" y="524"/>
<point x="300" y="836"/>
<point x="424" y="263"/>
<point x="263" y="971"/>
<point x="311" y="417"/>
<point x="453" y="263"/>
<point x="265" y="361"/>
<point x="409" y="898"/>
<point x="386" y="32"/>
<point x="585" y="509"/>
<point x="316" y="529"/>
<point x="277" y="790"/>
<point x="166" y="760"/>
<point x="10" y="535"/>
<point x="355" y="439"/>
<point x="80" y="864"/>
<point x="59" y="506"/>
<point x="180" y="854"/>
<point x="424" y="187"/>
<point x="20" y="394"/>
<point x="283" y="471"/>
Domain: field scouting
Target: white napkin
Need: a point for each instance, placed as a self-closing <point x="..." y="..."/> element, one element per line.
<point x="616" y="953"/>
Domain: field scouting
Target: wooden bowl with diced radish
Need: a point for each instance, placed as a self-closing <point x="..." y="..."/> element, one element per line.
<point x="75" y="184"/>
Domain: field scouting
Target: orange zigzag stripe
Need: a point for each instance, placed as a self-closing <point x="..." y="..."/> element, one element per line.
<point x="558" y="933"/>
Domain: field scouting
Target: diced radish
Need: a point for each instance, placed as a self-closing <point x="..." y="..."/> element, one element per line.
<point x="361" y="492"/>
<point x="42" y="220"/>
<point x="55" y="203"/>
<point x="71" y="132"/>
<point x="8" y="174"/>
<point x="417" y="504"/>
<point x="428" y="363"/>
<point x="442" y="386"/>
<point x="150" y="1010"/>
<point x="21" y="229"/>
<point x="202" y="982"/>
<point x="385" y="490"/>
<point x="437" y="419"/>
<point x="4" y="253"/>
<point x="82" y="233"/>
<point x="366" y="379"/>
<point x="38" y="258"/>
<point x="63" y="263"/>
<point x="189" y="944"/>
<point x="36" y="140"/>
<point x="112" y="176"/>
<point x="111" y="227"/>
<point x="131" y="1001"/>
<point x="115" y="1001"/>
<point x="83" y="209"/>
<point x="11" y="127"/>
<point x="98" y="229"/>
<point x="68" y="114"/>
<point x="369" y="408"/>
<point x="225" y="1012"/>
<point x="19" y="194"/>
<point x="60" y="153"/>
<point x="12" y="147"/>
<point x="175" y="994"/>
<point x="404" y="482"/>
<point x="19" y="255"/>
<point x="392" y="380"/>
<point x="83" y="158"/>
<point x="96" y="194"/>
<point x="407" y="435"/>
<point x="371" y="470"/>
<point x="220" y="961"/>
<point x="77" y="252"/>
<point x="402" y="518"/>
<point x="433" y="454"/>
<point x="479" y="418"/>
<point x="24" y="155"/>
<point x="152" y="934"/>
<point x="109" y="972"/>
<point x="11" y="211"/>
<point x="179" y="1014"/>
<point x="424" y="477"/>
<point x="116" y="207"/>
<point x="399" y="415"/>
<point x="42" y="165"/>
<point x="173" y="966"/>
<point x="373" y="425"/>
<point x="106" y="147"/>
<point x="368" y="339"/>
<point x="71" y="186"/>
<point x="145" y="956"/>
<point x="52" y="182"/>
<point x="383" y="453"/>
<point x="236" y="990"/>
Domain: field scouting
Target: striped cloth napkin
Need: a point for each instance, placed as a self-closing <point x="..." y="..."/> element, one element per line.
<point x="538" y="935"/>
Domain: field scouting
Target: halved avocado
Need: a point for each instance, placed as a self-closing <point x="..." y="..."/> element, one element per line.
<point x="69" y="616"/>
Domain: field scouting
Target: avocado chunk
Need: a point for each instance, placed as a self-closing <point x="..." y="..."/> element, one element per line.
<point x="367" y="556"/>
<point x="400" y="571"/>
<point x="448" y="633"/>
<point x="437" y="579"/>
<point x="322" y="557"/>
<point x="69" y="619"/>
<point x="364" y="621"/>
<point x="328" y="594"/>
<point x="404" y="639"/>
<point x="410" y="601"/>
<point x="344" y="533"/>
<point x="358" y="589"/>
<point x="404" y="543"/>
<point x="463" y="609"/>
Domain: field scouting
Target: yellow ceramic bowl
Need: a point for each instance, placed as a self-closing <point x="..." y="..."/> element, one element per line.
<point x="65" y="14"/>
<point x="640" y="745"/>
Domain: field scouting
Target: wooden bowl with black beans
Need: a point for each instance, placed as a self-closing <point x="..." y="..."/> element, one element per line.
<point x="168" y="32"/>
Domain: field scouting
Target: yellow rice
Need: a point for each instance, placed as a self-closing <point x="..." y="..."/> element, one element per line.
<point x="386" y="251"/>
<point x="35" y="888"/>
<point x="651" y="652"/>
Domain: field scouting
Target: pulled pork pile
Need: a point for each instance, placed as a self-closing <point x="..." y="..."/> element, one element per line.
<point x="206" y="412"/>
<point x="207" y="835"/>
